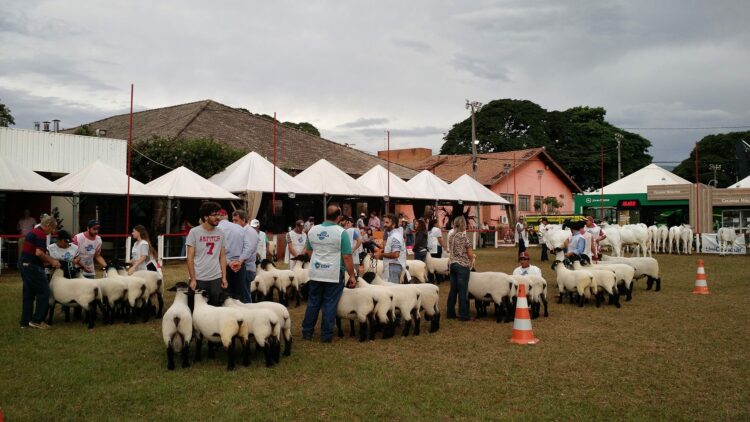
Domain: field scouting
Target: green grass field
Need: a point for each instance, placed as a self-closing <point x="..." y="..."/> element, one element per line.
<point x="669" y="355"/>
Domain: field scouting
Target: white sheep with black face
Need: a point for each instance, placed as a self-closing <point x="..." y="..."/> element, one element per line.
<point x="177" y="325"/>
<point x="495" y="287"/>
<point x="285" y="322"/>
<point x="536" y="292"/>
<point x="216" y="325"/>
<point x="643" y="267"/>
<point x="262" y="324"/>
<point x="580" y="283"/>
<point x="406" y="300"/>
<point x="137" y="290"/>
<point x="81" y="292"/>
<point x="605" y="280"/>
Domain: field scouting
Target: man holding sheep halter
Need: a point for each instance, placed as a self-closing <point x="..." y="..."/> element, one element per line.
<point x="206" y="258"/>
<point x="331" y="252"/>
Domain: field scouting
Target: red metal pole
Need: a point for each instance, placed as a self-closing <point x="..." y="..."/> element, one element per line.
<point x="388" y="188"/>
<point x="130" y="146"/>
<point x="697" y="195"/>
<point x="515" y="192"/>
<point x="273" y="195"/>
<point x="601" y="197"/>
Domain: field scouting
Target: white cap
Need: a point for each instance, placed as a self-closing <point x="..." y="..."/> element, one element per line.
<point x="255" y="223"/>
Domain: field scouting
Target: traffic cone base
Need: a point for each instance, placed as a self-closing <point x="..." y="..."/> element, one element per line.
<point x="701" y="285"/>
<point x="522" y="333"/>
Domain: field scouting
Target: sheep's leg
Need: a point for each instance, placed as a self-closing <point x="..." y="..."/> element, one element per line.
<point x="351" y="329"/>
<point x="299" y="297"/>
<point x="389" y="330"/>
<point x="198" y="346"/>
<point x="338" y="326"/>
<point x="649" y="283"/>
<point x="658" y="285"/>
<point x="599" y="298"/>
<point x="276" y="349"/>
<point x="362" y="329"/>
<point x="616" y="295"/>
<point x="245" y="352"/>
<point x="51" y="312"/>
<point x="91" y="314"/>
<point x="268" y="354"/>
<point x="407" y="328"/>
<point x="185" y="355"/>
<point x="543" y="297"/>
<point x="230" y="354"/>
<point x="170" y="358"/>
<point x="581" y="298"/>
<point x="498" y="312"/>
<point x="417" y="321"/>
<point x="508" y="314"/>
<point x="372" y="324"/>
<point x="160" y="300"/>
<point x="211" y="349"/>
<point x="66" y="312"/>
<point x="288" y="346"/>
<point x="435" y="322"/>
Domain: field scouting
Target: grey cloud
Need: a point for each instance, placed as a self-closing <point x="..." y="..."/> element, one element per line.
<point x="481" y="68"/>
<point x="415" y="132"/>
<point x="415" y="45"/>
<point x="364" y="122"/>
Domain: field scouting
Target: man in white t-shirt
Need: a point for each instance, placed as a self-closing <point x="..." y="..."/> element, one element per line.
<point x="394" y="252"/>
<point x="526" y="268"/>
<point x="543" y="225"/>
<point x="262" y="250"/>
<point x="296" y="244"/>
<point x="64" y="250"/>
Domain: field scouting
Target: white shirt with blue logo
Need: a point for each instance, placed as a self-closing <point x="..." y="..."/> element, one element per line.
<point x="325" y="264"/>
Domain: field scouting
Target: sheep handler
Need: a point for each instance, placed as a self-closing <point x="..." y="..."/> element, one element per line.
<point x="331" y="253"/>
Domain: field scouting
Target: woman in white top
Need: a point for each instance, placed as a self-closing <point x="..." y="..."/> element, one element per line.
<point x="142" y="256"/>
<point x="435" y="240"/>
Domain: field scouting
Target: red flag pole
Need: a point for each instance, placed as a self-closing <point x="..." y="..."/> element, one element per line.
<point x="273" y="196"/>
<point x="388" y="188"/>
<point x="601" y="197"/>
<point x="130" y="146"/>
<point x="697" y="195"/>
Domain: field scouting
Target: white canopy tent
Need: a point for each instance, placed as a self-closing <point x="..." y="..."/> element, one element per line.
<point x="253" y="175"/>
<point x="472" y="191"/>
<point x="744" y="183"/>
<point x="429" y="186"/>
<point x="377" y="180"/>
<point x="637" y="182"/>
<point x="99" y="178"/>
<point x="17" y="178"/>
<point x="184" y="183"/>
<point x="327" y="179"/>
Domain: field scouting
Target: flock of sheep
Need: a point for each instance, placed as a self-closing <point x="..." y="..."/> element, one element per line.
<point x="373" y="306"/>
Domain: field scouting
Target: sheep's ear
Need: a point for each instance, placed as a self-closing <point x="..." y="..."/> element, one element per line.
<point x="368" y="276"/>
<point x="291" y="278"/>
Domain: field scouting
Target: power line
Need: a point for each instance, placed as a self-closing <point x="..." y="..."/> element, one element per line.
<point x="685" y="128"/>
<point x="150" y="159"/>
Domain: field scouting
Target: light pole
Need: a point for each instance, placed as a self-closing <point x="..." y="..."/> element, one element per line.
<point x="540" y="173"/>
<point x="715" y="168"/>
<point x="474" y="106"/>
<point x="618" y="138"/>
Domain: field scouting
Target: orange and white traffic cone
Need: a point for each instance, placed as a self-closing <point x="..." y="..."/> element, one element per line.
<point x="701" y="286"/>
<point x="522" y="333"/>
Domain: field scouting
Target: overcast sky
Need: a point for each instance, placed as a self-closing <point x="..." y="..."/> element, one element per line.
<point x="355" y="69"/>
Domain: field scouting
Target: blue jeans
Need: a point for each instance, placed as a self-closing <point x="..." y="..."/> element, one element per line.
<point x="35" y="287"/>
<point x="460" y="290"/>
<point x="249" y="277"/>
<point x="326" y="296"/>
<point x="394" y="273"/>
<point x="236" y="283"/>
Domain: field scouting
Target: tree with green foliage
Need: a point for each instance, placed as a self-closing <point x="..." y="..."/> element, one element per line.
<point x="6" y="119"/>
<point x="720" y="149"/>
<point x="305" y="127"/>
<point x="84" y="130"/>
<point x="572" y="137"/>
<point x="205" y="157"/>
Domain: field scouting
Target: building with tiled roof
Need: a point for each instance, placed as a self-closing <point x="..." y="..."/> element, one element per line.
<point x="238" y="128"/>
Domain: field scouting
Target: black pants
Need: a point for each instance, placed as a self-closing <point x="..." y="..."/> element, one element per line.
<point x="213" y="287"/>
<point x="544" y="252"/>
<point x="521" y="245"/>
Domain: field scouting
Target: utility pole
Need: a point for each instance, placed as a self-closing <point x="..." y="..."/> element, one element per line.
<point x="618" y="138"/>
<point x="715" y="168"/>
<point x="474" y="106"/>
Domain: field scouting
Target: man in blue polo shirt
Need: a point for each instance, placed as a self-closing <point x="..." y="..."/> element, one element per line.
<point x="331" y="253"/>
<point x="35" y="286"/>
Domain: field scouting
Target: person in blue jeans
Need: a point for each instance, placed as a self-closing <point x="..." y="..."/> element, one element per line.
<point x="461" y="261"/>
<point x="330" y="252"/>
<point x="35" y="286"/>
